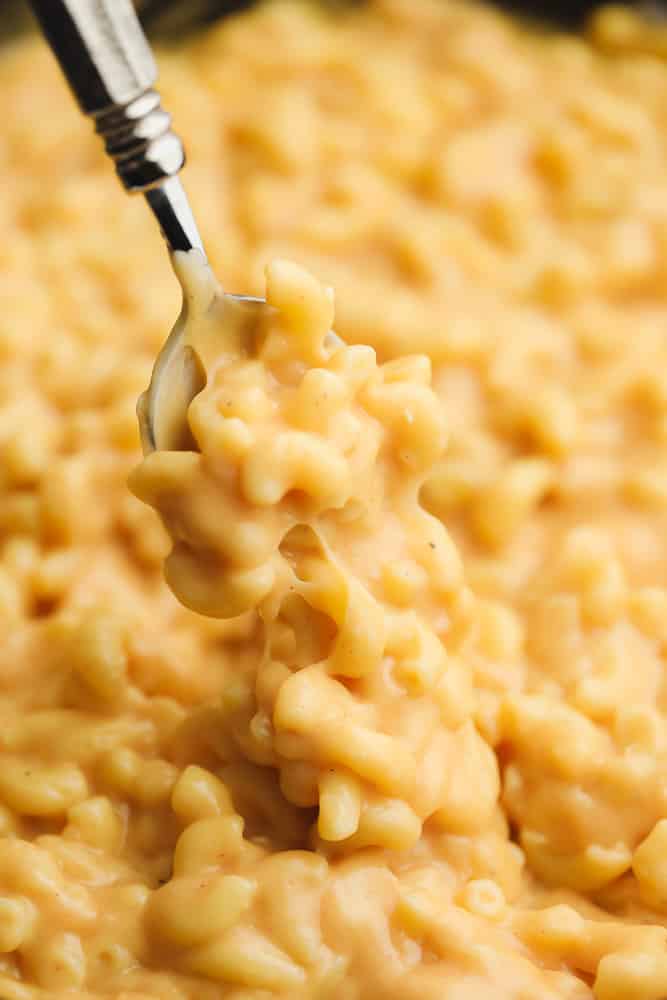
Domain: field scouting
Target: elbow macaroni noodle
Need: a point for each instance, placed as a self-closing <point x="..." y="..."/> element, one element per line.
<point x="402" y="735"/>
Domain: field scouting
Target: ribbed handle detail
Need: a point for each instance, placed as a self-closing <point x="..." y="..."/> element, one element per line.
<point x="139" y="139"/>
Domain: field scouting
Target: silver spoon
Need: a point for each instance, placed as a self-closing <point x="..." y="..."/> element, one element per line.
<point x="109" y="65"/>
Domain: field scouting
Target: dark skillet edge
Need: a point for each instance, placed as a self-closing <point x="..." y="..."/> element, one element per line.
<point x="169" y="20"/>
<point x="568" y="14"/>
<point x="169" y="17"/>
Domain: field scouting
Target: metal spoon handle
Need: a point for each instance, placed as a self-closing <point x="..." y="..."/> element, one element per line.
<point x="108" y="63"/>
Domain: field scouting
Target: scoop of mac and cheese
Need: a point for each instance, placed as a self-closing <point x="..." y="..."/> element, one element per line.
<point x="301" y="501"/>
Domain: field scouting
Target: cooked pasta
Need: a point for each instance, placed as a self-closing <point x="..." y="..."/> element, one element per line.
<point x="401" y="732"/>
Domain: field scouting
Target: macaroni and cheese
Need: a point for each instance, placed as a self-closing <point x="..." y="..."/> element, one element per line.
<point x="402" y="735"/>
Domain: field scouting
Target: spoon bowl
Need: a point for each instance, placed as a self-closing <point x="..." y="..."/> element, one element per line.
<point x="178" y="376"/>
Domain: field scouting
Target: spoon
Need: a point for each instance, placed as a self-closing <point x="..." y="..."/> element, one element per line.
<point x="109" y="65"/>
